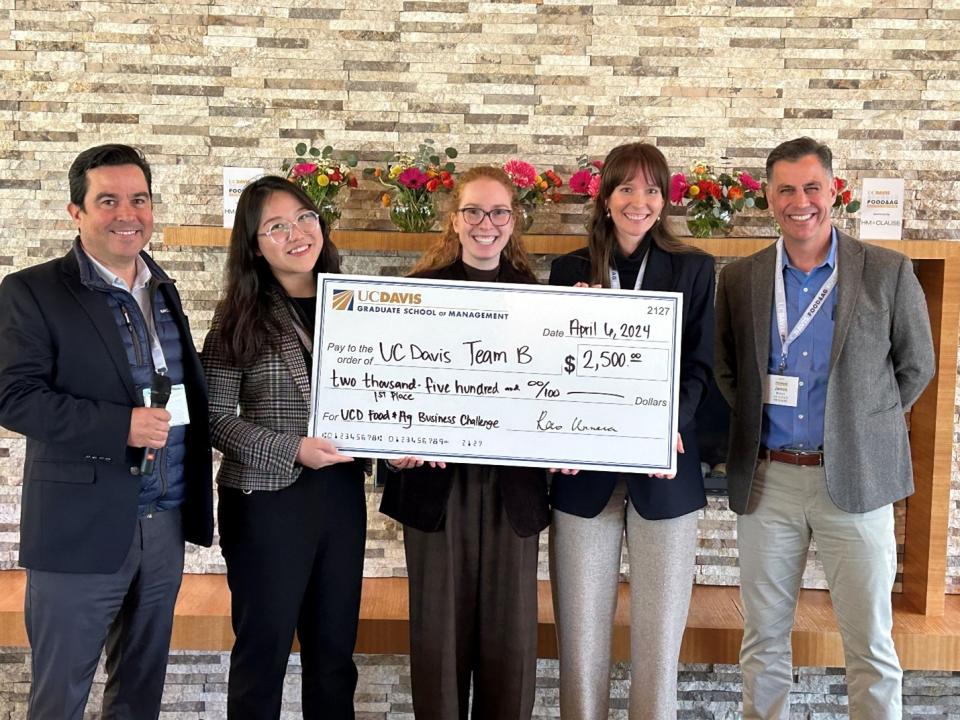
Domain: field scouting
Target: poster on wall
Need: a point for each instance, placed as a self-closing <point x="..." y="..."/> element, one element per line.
<point x="881" y="215"/>
<point x="235" y="179"/>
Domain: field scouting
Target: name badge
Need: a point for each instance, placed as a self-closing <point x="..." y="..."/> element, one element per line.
<point x="176" y="405"/>
<point x="781" y="390"/>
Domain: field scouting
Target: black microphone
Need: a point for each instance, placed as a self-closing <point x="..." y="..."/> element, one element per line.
<point x="159" y="395"/>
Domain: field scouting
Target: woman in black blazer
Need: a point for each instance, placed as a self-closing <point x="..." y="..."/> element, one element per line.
<point x="471" y="531"/>
<point x="630" y="247"/>
<point x="292" y="512"/>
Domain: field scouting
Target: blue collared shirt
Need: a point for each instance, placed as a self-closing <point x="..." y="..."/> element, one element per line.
<point x="809" y="358"/>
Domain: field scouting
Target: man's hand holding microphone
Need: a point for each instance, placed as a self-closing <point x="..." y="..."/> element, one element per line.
<point x="149" y="426"/>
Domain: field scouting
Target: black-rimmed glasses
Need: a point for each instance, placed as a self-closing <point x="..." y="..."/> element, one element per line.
<point x="474" y="215"/>
<point x="280" y="232"/>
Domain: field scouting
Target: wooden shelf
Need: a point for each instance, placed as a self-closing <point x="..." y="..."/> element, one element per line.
<point x="713" y="634"/>
<point x="394" y="241"/>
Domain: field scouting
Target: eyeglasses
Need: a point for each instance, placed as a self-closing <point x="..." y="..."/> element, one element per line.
<point x="280" y="232"/>
<point x="474" y="215"/>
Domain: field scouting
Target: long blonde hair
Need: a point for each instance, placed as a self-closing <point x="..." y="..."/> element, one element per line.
<point x="621" y="164"/>
<point x="447" y="249"/>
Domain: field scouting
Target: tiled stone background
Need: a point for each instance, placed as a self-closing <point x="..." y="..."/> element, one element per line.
<point x="204" y="84"/>
<point x="196" y="687"/>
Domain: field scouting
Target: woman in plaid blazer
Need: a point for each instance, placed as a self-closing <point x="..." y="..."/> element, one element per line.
<point x="292" y="513"/>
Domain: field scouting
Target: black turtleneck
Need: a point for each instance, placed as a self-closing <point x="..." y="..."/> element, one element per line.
<point x="629" y="267"/>
<point x="485" y="275"/>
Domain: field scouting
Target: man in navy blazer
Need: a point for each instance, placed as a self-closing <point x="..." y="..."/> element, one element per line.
<point x="85" y="338"/>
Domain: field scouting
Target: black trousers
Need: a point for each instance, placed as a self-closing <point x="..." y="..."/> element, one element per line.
<point x="295" y="562"/>
<point x="473" y="609"/>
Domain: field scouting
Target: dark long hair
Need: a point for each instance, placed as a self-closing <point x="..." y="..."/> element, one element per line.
<point x="246" y="325"/>
<point x="447" y="249"/>
<point x="622" y="164"/>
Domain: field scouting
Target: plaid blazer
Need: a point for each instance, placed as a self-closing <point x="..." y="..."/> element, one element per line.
<point x="258" y="414"/>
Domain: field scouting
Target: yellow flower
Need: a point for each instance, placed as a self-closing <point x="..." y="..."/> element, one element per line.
<point x="323" y="180"/>
<point x="395" y="171"/>
<point x="694" y="191"/>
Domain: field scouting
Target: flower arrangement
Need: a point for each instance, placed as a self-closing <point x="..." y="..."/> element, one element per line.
<point x="712" y="199"/>
<point x="586" y="180"/>
<point x="412" y="180"/>
<point x="533" y="188"/>
<point x="321" y="177"/>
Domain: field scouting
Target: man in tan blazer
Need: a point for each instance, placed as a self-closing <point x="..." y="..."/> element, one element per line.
<point x="822" y="344"/>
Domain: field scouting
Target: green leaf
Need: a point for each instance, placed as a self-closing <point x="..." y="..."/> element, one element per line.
<point x="450" y="152"/>
<point x="368" y="172"/>
<point x="853" y="206"/>
<point x="449" y="167"/>
<point x="314" y="152"/>
<point x="351" y="160"/>
<point x="435" y="159"/>
<point x="328" y="151"/>
<point x="301" y="148"/>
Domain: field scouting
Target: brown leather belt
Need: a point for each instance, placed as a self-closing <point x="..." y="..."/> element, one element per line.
<point x="793" y="457"/>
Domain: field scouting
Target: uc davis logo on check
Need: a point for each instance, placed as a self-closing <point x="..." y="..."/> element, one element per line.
<point x="342" y="300"/>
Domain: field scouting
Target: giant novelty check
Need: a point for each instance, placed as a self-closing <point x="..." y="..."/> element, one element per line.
<point x="497" y="374"/>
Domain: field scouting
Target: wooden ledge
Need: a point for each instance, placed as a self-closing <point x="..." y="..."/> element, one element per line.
<point x="714" y="626"/>
<point x="394" y="241"/>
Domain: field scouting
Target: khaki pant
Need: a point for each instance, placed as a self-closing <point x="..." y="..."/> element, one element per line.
<point x="791" y="506"/>
<point x="585" y="569"/>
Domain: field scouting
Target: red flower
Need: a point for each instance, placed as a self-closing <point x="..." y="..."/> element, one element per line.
<point x="580" y="181"/>
<point x="678" y="188"/>
<point x="593" y="189"/>
<point x="432" y="184"/>
<point x="839" y="184"/>
<point x="708" y="187"/>
<point x="846" y="196"/>
<point x="335" y="176"/>
<point x="735" y="193"/>
<point x="412" y="178"/>
<point x="303" y="169"/>
<point x="746" y="179"/>
<point x="352" y="181"/>
<point x="523" y="174"/>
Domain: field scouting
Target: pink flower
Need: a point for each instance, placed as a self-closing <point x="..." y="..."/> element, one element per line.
<point x="580" y="181"/>
<point x="748" y="182"/>
<point x="303" y="169"/>
<point x="413" y="178"/>
<point x="678" y="187"/>
<point x="522" y="173"/>
<point x="593" y="188"/>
